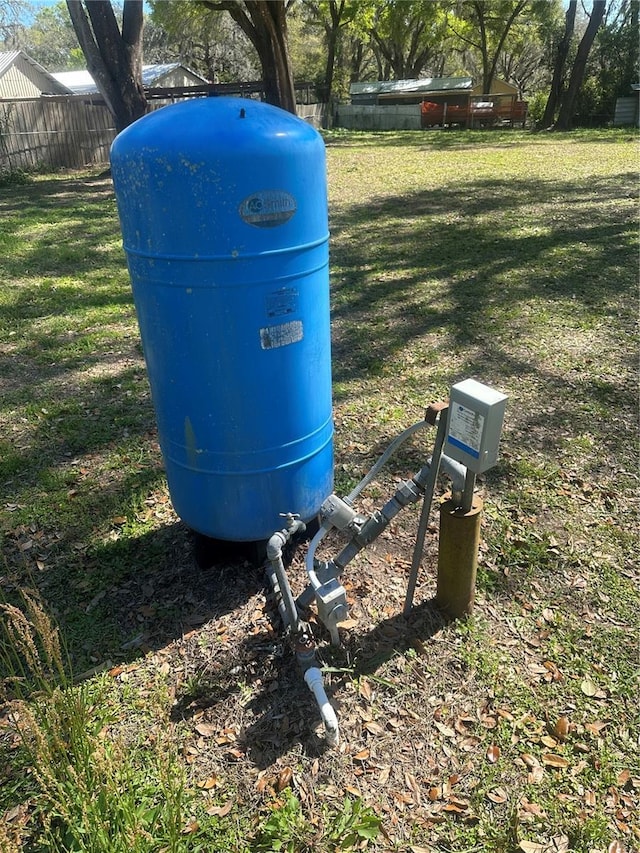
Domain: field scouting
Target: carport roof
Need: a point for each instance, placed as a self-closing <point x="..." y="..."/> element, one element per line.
<point x="420" y="86"/>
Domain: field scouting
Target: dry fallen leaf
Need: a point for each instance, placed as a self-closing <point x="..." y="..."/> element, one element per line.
<point x="498" y="795"/>
<point x="263" y="782"/>
<point x="623" y="777"/>
<point x="383" y="776"/>
<point x="463" y="724"/>
<point x="412" y="783"/>
<point x="447" y="731"/>
<point x="588" y="687"/>
<point x="362" y="755"/>
<point x="506" y="715"/>
<point x="220" y="811"/>
<point x="493" y="753"/>
<point x="530" y="847"/>
<point x="364" y="689"/>
<point x="284" y="779"/>
<point x="561" y="728"/>
<point x="535" y="775"/>
<point x="489" y="721"/>
<point x="550" y="759"/>
<point x="207" y="784"/>
<point x="235" y="753"/>
<point x="527" y="808"/>
<point x="596" y="727"/>
<point x="456" y="805"/>
<point x="206" y="729"/>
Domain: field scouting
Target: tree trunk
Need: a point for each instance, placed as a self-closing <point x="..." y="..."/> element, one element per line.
<point x="490" y="64"/>
<point x="265" y="25"/>
<point x="332" y="32"/>
<point x="560" y="62"/>
<point x="565" y="116"/>
<point x="114" y="57"/>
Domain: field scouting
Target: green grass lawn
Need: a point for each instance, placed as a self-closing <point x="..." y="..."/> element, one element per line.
<point x="508" y="257"/>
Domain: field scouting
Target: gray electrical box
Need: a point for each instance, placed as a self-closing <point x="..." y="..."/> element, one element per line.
<point x="476" y="413"/>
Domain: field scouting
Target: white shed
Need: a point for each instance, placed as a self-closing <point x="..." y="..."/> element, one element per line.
<point x="23" y="77"/>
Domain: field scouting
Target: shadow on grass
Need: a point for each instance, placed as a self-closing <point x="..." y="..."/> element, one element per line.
<point x="454" y="266"/>
<point x="452" y="138"/>
<point x="475" y="272"/>
<point x="465" y="261"/>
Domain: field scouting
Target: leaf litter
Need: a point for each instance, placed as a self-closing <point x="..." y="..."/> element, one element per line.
<point x="422" y="714"/>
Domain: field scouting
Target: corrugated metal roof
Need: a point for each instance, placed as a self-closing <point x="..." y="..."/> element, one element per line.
<point x="419" y="86"/>
<point x="79" y="82"/>
<point x="82" y="83"/>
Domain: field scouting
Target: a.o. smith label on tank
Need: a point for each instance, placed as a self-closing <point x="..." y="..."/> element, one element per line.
<point x="281" y="335"/>
<point x="268" y="208"/>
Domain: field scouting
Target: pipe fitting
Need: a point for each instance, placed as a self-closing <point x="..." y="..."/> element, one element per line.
<point x="275" y="544"/>
<point x="455" y="471"/>
<point x="313" y="679"/>
<point x="277" y="574"/>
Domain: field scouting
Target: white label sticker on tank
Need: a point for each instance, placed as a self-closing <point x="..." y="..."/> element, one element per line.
<point x="465" y="430"/>
<point x="268" y="208"/>
<point x="282" y="335"/>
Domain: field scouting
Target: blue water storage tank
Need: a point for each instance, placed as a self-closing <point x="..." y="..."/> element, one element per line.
<point x="223" y="208"/>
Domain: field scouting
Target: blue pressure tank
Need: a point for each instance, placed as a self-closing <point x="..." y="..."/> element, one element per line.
<point x="223" y="208"/>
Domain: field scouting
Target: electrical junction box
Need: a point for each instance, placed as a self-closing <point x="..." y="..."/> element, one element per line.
<point x="476" y="413"/>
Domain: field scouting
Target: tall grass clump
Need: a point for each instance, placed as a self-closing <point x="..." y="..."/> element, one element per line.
<point x="87" y="791"/>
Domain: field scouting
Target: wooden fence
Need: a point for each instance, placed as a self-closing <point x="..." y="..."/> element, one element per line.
<point x="52" y="134"/>
<point x="70" y="132"/>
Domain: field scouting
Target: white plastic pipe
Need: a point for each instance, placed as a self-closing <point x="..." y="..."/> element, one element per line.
<point x="313" y="677"/>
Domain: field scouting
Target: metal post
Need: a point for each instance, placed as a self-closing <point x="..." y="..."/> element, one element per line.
<point x="426" y="510"/>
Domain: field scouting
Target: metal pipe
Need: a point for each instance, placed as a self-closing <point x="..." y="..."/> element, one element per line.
<point x="467" y="494"/>
<point x="407" y="493"/>
<point x="313" y="678"/>
<point x="455" y="471"/>
<point x="273" y="580"/>
<point x="306" y="597"/>
<point x="286" y="604"/>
